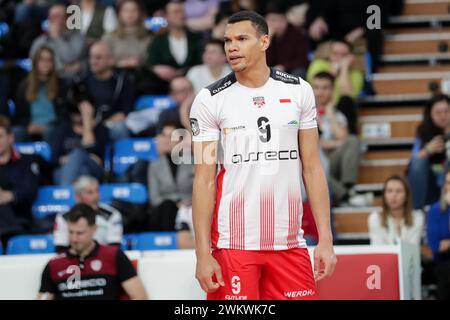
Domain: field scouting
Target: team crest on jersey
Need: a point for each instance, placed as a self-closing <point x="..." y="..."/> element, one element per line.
<point x="96" y="265"/>
<point x="259" y="102"/>
<point x="194" y="126"/>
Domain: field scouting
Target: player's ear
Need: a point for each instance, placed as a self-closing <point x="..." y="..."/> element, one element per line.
<point x="265" y="42"/>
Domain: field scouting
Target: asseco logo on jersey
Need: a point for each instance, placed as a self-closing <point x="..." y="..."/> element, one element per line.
<point x="259" y="102"/>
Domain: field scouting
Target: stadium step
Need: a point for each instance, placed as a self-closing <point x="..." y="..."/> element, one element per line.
<point x="412" y="58"/>
<point x="425" y="7"/>
<point x="378" y="171"/>
<point x="410" y="82"/>
<point x="377" y="166"/>
<point x="389" y="126"/>
<point x="414" y="68"/>
<point x="430" y="19"/>
<point x="351" y="223"/>
<point x="394" y="99"/>
<point x="389" y="110"/>
<point x="430" y="43"/>
<point x="420" y="30"/>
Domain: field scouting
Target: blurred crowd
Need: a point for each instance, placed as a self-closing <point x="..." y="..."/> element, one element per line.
<point x="80" y="91"/>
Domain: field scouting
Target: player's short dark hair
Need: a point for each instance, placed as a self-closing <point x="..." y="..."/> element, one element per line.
<point x="257" y="20"/>
<point x="216" y="42"/>
<point x="79" y="211"/>
<point x="325" y="75"/>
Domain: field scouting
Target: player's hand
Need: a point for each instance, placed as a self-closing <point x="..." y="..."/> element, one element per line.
<point x="324" y="261"/>
<point x="207" y="267"/>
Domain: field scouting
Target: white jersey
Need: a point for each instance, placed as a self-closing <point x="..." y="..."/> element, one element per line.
<point x="258" y="197"/>
<point x="109" y="227"/>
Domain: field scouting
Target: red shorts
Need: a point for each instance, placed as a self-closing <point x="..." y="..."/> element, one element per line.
<point x="265" y="275"/>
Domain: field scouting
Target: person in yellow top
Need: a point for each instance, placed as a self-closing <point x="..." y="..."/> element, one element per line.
<point x="340" y="65"/>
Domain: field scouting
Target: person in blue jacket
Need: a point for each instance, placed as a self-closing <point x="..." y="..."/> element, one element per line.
<point x="438" y="234"/>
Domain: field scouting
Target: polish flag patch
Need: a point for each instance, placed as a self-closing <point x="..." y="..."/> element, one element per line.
<point x="285" y="100"/>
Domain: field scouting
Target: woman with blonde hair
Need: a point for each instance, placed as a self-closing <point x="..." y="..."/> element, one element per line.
<point x="40" y="99"/>
<point x="397" y="220"/>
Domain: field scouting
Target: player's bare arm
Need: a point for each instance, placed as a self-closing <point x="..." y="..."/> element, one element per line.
<point x="45" y="296"/>
<point x="204" y="190"/>
<point x="135" y="289"/>
<point x="317" y="190"/>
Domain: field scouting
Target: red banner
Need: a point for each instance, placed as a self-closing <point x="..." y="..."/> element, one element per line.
<point x="362" y="277"/>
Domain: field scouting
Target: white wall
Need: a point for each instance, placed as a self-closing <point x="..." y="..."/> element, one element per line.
<point x="171" y="274"/>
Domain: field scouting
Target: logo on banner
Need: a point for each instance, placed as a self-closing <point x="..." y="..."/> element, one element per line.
<point x="374" y="280"/>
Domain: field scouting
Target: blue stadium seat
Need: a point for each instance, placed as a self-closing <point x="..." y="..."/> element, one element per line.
<point x="127" y="241"/>
<point x="31" y="244"/>
<point x="154" y="24"/>
<point x="154" y="101"/>
<point x="4" y="29"/>
<point x="124" y="245"/>
<point x="129" y="151"/>
<point x="25" y="64"/>
<point x="53" y="199"/>
<point x="44" y="25"/>
<point x="130" y="192"/>
<point x="41" y="148"/>
<point x="11" y="106"/>
<point x="155" y="241"/>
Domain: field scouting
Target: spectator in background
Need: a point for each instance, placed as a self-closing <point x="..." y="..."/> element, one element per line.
<point x="233" y="6"/>
<point x="170" y="54"/>
<point x="40" y="101"/>
<point x="169" y="183"/>
<point x="109" y="91"/>
<point x="111" y="268"/>
<point x="31" y="9"/>
<point x="341" y="147"/>
<point x="329" y="19"/>
<point x="108" y="220"/>
<point x="397" y="219"/>
<point x="185" y="228"/>
<point x="128" y="43"/>
<point x="19" y="182"/>
<point x="96" y="20"/>
<point x="218" y="30"/>
<point x="182" y="93"/>
<point x="340" y="64"/>
<point x="78" y="146"/>
<point x="68" y="45"/>
<point x="429" y="155"/>
<point x="282" y="53"/>
<point x="214" y="66"/>
<point x="200" y="14"/>
<point x="438" y="234"/>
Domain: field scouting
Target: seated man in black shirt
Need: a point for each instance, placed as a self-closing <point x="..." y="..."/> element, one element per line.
<point x="78" y="146"/>
<point x="89" y="271"/>
<point x="19" y="182"/>
<point x="109" y="91"/>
